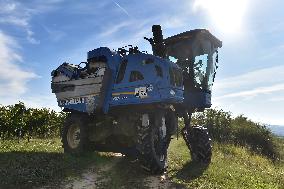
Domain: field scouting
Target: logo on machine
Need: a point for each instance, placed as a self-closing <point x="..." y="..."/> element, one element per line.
<point x="150" y="87"/>
<point x="141" y="92"/>
<point x="71" y="101"/>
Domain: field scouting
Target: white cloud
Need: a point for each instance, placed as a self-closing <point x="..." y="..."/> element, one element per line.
<point x="13" y="78"/>
<point x="20" y="15"/>
<point x="110" y="30"/>
<point x="251" y="84"/>
<point x="54" y="34"/>
<point x="258" y="94"/>
<point x="7" y="7"/>
<point x="277" y="99"/>
<point x="30" y="37"/>
<point x="34" y="101"/>
<point x="41" y="101"/>
<point x="254" y="92"/>
<point x="21" y="22"/>
<point x="174" y="22"/>
<point x="273" y="52"/>
<point x="266" y="76"/>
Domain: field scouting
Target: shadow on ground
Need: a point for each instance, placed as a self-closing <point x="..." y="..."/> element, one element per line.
<point x="127" y="173"/>
<point x="37" y="169"/>
<point x="48" y="170"/>
<point x="191" y="171"/>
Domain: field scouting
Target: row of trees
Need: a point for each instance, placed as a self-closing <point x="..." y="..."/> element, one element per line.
<point x="225" y="128"/>
<point x="19" y="121"/>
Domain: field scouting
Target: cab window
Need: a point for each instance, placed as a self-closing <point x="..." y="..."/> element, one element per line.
<point x="135" y="76"/>
<point x="121" y="71"/>
<point x="159" y="71"/>
<point x="176" y="77"/>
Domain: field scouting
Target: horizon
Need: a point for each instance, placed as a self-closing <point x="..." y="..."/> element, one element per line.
<point x="36" y="38"/>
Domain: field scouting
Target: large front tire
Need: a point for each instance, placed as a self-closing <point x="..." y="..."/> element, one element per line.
<point x="153" y="142"/>
<point x="199" y="144"/>
<point x="74" y="135"/>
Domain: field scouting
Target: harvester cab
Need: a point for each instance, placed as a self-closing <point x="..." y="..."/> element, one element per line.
<point x="129" y="101"/>
<point x="196" y="53"/>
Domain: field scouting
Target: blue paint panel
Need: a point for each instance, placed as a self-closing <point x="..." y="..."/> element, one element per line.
<point x="160" y="85"/>
<point x="153" y="95"/>
<point x="78" y="107"/>
<point x="135" y="63"/>
<point x="173" y="95"/>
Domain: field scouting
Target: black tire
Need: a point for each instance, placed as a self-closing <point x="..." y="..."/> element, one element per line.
<point x="199" y="144"/>
<point x="74" y="136"/>
<point x="153" y="144"/>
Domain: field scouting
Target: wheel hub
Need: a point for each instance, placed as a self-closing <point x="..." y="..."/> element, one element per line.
<point x="73" y="136"/>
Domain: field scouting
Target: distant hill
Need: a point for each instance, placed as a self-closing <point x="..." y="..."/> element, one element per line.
<point x="277" y="129"/>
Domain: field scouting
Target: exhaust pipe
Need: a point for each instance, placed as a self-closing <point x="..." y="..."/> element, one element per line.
<point x="158" y="46"/>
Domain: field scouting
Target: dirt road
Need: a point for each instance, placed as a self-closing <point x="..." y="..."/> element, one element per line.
<point x="119" y="172"/>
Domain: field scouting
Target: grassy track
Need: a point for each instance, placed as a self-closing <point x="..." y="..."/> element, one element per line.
<point x="231" y="167"/>
<point x="42" y="163"/>
<point x="39" y="162"/>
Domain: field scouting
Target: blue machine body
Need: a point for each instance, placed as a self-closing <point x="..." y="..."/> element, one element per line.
<point x="135" y="78"/>
<point x="146" y="79"/>
<point x="151" y="87"/>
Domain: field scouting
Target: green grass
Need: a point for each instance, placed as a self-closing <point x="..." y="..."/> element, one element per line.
<point x="43" y="163"/>
<point x="231" y="167"/>
<point x="39" y="162"/>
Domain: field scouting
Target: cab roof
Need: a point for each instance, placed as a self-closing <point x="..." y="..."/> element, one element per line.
<point x="201" y="34"/>
<point x="181" y="46"/>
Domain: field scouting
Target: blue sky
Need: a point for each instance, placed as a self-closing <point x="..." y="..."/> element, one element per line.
<point x="37" y="36"/>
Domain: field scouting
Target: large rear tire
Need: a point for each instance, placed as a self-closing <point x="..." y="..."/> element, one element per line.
<point x="199" y="144"/>
<point x="74" y="135"/>
<point x="153" y="142"/>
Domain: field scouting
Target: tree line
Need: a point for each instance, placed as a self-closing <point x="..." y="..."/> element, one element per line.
<point x="18" y="121"/>
<point x="240" y="130"/>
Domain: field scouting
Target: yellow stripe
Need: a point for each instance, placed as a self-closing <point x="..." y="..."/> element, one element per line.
<point x="121" y="93"/>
